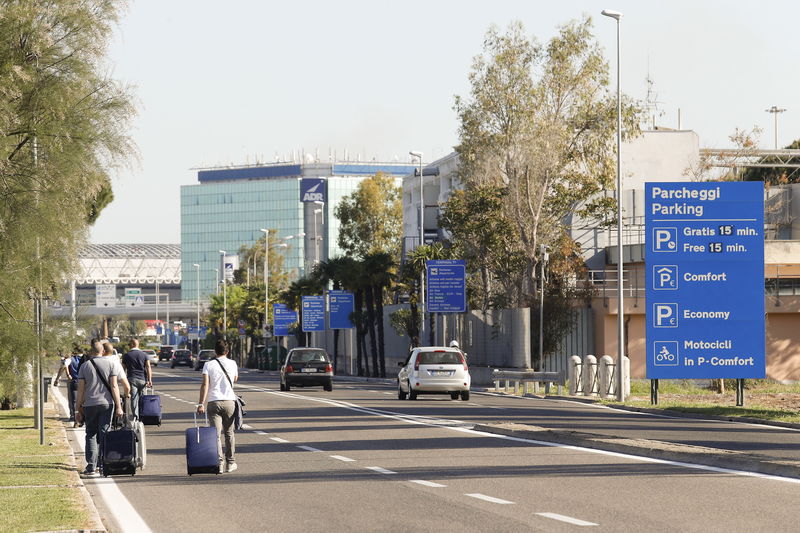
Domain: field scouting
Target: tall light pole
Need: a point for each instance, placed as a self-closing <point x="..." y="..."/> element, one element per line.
<point x="266" y="279"/>
<point x="418" y="155"/>
<point x="216" y="281"/>
<point x="616" y="15"/>
<point x="197" y="270"/>
<point x="224" y="296"/>
<point x="296" y="235"/>
<point x="775" y="110"/>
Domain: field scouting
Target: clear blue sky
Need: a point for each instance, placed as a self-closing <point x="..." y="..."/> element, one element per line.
<point x="228" y="82"/>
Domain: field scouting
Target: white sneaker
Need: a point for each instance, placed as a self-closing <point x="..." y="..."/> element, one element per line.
<point x="231" y="467"/>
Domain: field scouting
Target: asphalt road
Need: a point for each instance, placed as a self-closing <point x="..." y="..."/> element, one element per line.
<point x="357" y="459"/>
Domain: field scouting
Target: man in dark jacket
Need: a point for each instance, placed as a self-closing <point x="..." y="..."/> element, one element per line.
<point x="140" y="375"/>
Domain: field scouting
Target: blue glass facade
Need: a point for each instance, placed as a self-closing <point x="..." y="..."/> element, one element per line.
<point x="227" y="209"/>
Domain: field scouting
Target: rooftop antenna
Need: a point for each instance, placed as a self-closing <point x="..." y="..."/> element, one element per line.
<point x="651" y="100"/>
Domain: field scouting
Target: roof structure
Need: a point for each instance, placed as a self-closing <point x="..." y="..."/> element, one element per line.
<point x="130" y="264"/>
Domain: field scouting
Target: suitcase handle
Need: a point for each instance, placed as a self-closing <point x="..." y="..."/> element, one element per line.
<point x="151" y="389"/>
<point x="197" y="427"/>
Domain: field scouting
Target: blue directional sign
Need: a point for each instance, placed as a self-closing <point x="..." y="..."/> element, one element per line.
<point x="447" y="286"/>
<point x="282" y="318"/>
<point x="313" y="313"/>
<point x="341" y="305"/>
<point x="705" y="280"/>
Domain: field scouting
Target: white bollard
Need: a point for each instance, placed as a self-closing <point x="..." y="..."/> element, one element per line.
<point x="574" y="371"/>
<point x="605" y="373"/>
<point x="589" y="375"/>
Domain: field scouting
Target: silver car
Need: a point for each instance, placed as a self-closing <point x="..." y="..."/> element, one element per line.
<point x="152" y="356"/>
<point x="434" y="370"/>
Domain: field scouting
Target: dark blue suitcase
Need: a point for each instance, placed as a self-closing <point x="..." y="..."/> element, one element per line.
<point x="119" y="451"/>
<point x="201" y="450"/>
<point x="150" y="409"/>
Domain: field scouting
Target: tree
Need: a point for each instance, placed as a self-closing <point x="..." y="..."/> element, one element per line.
<point x="63" y="129"/>
<point x="539" y="124"/>
<point x="371" y="218"/>
<point x="381" y="270"/>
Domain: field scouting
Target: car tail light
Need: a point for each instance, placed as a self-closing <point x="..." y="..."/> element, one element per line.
<point x="463" y="361"/>
<point x="289" y="369"/>
<point x="329" y="368"/>
<point x="416" y="363"/>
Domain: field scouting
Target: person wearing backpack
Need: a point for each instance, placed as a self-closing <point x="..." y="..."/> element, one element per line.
<point x="98" y="400"/>
<point x="219" y="375"/>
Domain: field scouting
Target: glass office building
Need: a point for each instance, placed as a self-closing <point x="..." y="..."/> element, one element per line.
<point x="228" y="207"/>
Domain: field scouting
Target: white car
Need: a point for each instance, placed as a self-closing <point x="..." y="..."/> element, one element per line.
<point x="434" y="370"/>
<point x="152" y="356"/>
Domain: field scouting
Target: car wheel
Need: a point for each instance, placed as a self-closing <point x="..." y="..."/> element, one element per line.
<point x="465" y="395"/>
<point x="328" y="387"/>
<point x="454" y="395"/>
<point x="412" y="395"/>
<point x="400" y="394"/>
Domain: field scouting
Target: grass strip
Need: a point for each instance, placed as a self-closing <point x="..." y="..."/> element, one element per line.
<point x="42" y="509"/>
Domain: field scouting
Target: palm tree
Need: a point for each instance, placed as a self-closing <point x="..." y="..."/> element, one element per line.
<point x="333" y="271"/>
<point x="381" y="269"/>
<point x="293" y="297"/>
<point x="353" y="279"/>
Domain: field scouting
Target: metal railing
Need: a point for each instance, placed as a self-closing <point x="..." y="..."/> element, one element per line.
<point x="525" y="378"/>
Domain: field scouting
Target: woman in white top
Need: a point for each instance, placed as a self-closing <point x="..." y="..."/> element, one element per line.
<point x="217" y="389"/>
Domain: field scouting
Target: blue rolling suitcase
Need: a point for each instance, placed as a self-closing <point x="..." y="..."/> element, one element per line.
<point x="150" y="409"/>
<point x="119" y="451"/>
<point x="201" y="450"/>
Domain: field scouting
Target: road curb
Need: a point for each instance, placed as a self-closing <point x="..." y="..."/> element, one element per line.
<point x="58" y="404"/>
<point x="681" y="453"/>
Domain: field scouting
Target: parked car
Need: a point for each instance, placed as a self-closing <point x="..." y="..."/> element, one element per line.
<point x="181" y="357"/>
<point x="152" y="356"/>
<point x="165" y="352"/>
<point x="434" y="370"/>
<point x="306" y="367"/>
<point x="202" y="357"/>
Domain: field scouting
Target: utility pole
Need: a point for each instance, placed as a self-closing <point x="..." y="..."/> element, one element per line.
<point x="775" y="110"/>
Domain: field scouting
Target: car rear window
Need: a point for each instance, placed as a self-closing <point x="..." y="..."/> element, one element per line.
<point x="207" y="354"/>
<point x="309" y="357"/>
<point x="182" y="352"/>
<point x="439" y="358"/>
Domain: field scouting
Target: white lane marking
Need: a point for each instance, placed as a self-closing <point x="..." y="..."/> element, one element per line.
<point x="567" y="519"/>
<point x="389" y="393"/>
<point x="380" y="470"/>
<point x="247" y="426"/>
<point x="309" y="448"/>
<point x="278" y="439"/>
<point x="343" y="458"/>
<point x="490" y="499"/>
<point x="427" y="483"/>
<point x="466" y="427"/>
<point x="260" y="432"/>
<point x="124" y="513"/>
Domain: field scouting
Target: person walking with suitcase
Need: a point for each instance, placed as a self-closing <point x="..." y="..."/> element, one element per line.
<point x="139" y="373"/>
<point x="98" y="400"/>
<point x="219" y="376"/>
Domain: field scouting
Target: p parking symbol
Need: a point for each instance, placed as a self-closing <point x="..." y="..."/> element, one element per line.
<point x="665" y="315"/>
<point x="665" y="239"/>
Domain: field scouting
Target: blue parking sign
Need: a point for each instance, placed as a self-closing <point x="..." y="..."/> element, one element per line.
<point x="705" y="280"/>
<point x="282" y="318"/>
<point x="341" y="305"/>
<point x="313" y="313"/>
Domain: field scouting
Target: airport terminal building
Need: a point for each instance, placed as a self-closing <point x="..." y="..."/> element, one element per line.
<point x="228" y="206"/>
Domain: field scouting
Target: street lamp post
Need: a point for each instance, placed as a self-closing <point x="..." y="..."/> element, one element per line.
<point x="197" y="270"/>
<point x="616" y="15"/>
<point x="775" y="110"/>
<point x="418" y="155"/>
<point x="224" y="297"/>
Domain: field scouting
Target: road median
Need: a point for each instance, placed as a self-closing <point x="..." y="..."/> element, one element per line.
<point x="667" y="451"/>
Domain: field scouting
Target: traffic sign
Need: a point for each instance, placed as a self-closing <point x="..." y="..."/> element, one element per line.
<point x="705" y="280"/>
<point x="313" y="313"/>
<point x="446" y="280"/>
<point x="283" y="318"/>
<point x="341" y="305"/>
<point x="105" y="296"/>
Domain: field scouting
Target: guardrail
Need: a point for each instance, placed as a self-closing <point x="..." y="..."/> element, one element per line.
<point x="527" y="378"/>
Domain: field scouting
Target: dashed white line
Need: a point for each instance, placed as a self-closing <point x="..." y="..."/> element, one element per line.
<point x="309" y="448"/>
<point x="490" y="499"/>
<point x="247" y="426"/>
<point x="567" y="519"/>
<point x="278" y="439"/>
<point x="343" y="458"/>
<point x="427" y="483"/>
<point x="257" y="432"/>
<point x="380" y="470"/>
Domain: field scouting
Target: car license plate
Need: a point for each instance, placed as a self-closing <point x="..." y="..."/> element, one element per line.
<point x="441" y="372"/>
<point x="308" y="370"/>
